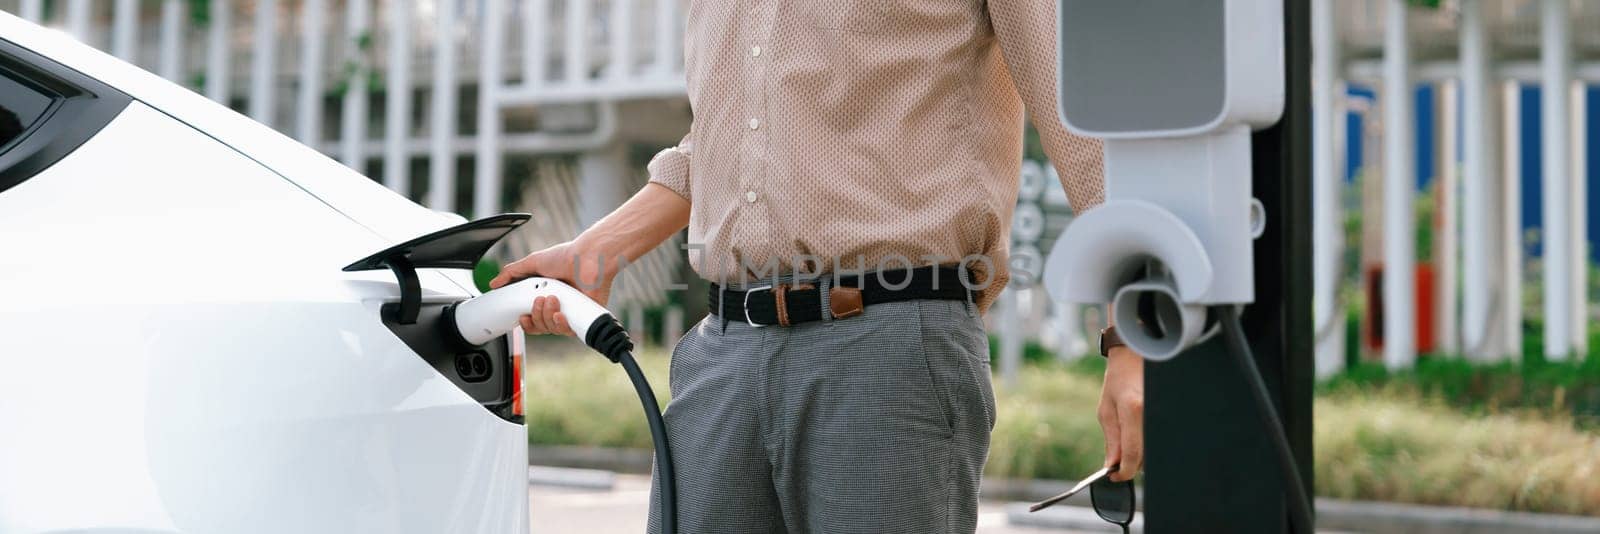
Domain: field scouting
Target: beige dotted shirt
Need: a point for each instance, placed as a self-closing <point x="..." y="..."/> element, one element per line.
<point x="836" y="135"/>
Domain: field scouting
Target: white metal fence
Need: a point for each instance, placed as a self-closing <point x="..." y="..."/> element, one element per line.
<point x="1479" y="53"/>
<point x="440" y="72"/>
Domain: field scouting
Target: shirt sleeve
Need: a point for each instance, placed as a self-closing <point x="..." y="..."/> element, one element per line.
<point x="1026" y="30"/>
<point x="670" y="168"/>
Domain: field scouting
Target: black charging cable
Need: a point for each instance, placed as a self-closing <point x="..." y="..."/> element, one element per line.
<point x="607" y="336"/>
<point x="1299" y="504"/>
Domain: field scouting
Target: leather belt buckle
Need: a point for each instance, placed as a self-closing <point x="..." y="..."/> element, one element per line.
<point x="747" y="294"/>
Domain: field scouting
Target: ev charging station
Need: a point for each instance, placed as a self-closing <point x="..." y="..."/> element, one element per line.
<point x="1204" y="109"/>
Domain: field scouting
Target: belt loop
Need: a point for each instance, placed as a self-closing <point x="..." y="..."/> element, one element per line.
<point x="972" y="306"/>
<point x="722" y="294"/>
<point x="780" y="302"/>
<point x="824" y="284"/>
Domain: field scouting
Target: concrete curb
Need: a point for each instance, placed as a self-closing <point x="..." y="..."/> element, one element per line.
<point x="1384" y="518"/>
<point x="1349" y="516"/>
<point x="567" y="477"/>
<point x="620" y="460"/>
<point x="1332" y="514"/>
<point x="1357" y="516"/>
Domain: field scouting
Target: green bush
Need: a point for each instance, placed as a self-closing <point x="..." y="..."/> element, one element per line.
<point x="1562" y="389"/>
<point x="583" y="399"/>
<point x="1032" y="352"/>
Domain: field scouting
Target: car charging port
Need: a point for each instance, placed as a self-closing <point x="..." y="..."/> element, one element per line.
<point x="474" y="366"/>
<point x="486" y="371"/>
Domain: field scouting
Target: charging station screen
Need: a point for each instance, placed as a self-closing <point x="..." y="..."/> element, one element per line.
<point x="1141" y="65"/>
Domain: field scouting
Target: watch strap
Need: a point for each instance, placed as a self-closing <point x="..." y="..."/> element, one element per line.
<point x="1109" y="339"/>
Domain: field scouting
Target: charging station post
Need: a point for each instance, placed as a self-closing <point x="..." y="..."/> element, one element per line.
<point x="1204" y="109"/>
<point x="1207" y="462"/>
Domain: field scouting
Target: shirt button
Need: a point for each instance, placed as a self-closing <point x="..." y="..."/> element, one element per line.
<point x="755" y="51"/>
<point x="749" y="196"/>
<point x="755" y="123"/>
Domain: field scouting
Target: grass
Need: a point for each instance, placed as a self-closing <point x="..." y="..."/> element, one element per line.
<point x="587" y="400"/>
<point x="1046" y="427"/>
<point x="1386" y="447"/>
<point x="1378" y="437"/>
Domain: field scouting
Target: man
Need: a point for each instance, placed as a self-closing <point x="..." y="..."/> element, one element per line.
<point x="829" y="137"/>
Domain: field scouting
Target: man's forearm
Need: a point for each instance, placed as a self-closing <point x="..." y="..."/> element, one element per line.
<point x="654" y="214"/>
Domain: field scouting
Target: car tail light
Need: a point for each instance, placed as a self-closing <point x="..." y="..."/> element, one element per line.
<point x="518" y="343"/>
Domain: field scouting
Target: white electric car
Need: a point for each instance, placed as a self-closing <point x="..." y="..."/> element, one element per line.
<point x="182" y="347"/>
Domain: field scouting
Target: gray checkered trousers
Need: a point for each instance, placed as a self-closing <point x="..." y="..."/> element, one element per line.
<point x="873" y="424"/>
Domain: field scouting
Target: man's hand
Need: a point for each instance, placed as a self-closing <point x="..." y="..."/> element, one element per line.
<point x="590" y="262"/>
<point x="568" y="263"/>
<point x="1122" y="412"/>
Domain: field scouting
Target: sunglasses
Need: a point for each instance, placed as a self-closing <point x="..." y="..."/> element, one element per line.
<point x="1113" y="501"/>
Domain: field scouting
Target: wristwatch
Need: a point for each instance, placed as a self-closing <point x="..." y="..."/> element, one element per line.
<point x="1108" y="340"/>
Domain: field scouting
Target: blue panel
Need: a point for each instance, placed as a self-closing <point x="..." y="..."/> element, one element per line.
<point x="1354" y="150"/>
<point x="1591" y="150"/>
<point x="1426" y="137"/>
<point x="1532" y="188"/>
<point x="1532" y="166"/>
<point x="1529" y="166"/>
<point x="1353" y="153"/>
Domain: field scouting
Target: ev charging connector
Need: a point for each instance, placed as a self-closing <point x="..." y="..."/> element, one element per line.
<point x="476" y="321"/>
<point x="494" y="314"/>
<point x="1174" y="88"/>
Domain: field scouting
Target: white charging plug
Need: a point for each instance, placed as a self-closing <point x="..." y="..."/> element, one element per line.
<point x="493" y="314"/>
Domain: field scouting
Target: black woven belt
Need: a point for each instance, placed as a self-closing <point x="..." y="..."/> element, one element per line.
<point x="801" y="301"/>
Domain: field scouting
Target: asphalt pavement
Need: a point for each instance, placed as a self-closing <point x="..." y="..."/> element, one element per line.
<point x="621" y="510"/>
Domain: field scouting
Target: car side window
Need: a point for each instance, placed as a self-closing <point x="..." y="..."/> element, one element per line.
<point x="20" y="107"/>
<point x="46" y="111"/>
